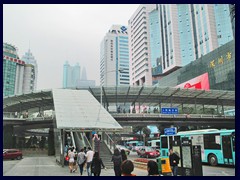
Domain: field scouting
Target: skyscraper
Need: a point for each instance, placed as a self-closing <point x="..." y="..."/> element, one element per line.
<point x="18" y="77"/>
<point x="31" y="72"/>
<point x="114" y="57"/>
<point x="181" y="33"/>
<point x="139" y="47"/>
<point x="71" y="75"/>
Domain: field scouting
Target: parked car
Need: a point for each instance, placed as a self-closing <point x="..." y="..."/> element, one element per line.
<point x="12" y="154"/>
<point x="148" y="152"/>
<point x="123" y="147"/>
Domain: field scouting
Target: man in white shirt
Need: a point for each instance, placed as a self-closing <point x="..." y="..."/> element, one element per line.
<point x="89" y="157"/>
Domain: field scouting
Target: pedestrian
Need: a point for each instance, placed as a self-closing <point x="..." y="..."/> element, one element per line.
<point x="85" y="164"/>
<point x="16" y="114"/>
<point x="174" y="161"/>
<point x="71" y="160"/>
<point x="89" y="156"/>
<point x="127" y="168"/>
<point x="75" y="165"/>
<point x="81" y="159"/>
<point x="96" y="141"/>
<point x="117" y="160"/>
<point x="123" y="154"/>
<point x="96" y="164"/>
<point x="152" y="168"/>
<point x="68" y="139"/>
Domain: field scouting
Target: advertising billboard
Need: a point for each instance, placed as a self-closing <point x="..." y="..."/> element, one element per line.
<point x="199" y="82"/>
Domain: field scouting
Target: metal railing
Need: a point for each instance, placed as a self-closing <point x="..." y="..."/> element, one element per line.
<point x="108" y="141"/>
<point x="172" y="115"/>
<point x="86" y="140"/>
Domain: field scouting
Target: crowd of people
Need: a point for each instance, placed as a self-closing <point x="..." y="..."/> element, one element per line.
<point x="92" y="163"/>
<point x="90" y="160"/>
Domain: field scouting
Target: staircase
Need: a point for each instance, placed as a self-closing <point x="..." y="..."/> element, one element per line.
<point x="106" y="155"/>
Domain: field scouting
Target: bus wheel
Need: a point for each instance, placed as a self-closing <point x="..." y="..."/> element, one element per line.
<point x="212" y="159"/>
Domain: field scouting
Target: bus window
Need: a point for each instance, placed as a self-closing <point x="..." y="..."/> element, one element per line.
<point x="212" y="141"/>
<point x="158" y="144"/>
<point x="164" y="142"/>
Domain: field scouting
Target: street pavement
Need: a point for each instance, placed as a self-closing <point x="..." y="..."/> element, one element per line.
<point x="47" y="166"/>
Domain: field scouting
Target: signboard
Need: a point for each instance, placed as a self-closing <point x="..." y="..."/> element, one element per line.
<point x="199" y="82"/>
<point x="169" y="110"/>
<point x="170" y="131"/>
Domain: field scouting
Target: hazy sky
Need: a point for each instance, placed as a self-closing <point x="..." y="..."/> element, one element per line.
<point x="62" y="32"/>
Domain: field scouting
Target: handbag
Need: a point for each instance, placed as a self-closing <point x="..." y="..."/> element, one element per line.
<point x="67" y="158"/>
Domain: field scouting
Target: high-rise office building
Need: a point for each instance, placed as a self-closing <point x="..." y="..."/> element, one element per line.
<point x="139" y="46"/>
<point x="181" y="33"/>
<point x="31" y="72"/>
<point x="71" y="75"/>
<point x="114" y="57"/>
<point x="18" y="77"/>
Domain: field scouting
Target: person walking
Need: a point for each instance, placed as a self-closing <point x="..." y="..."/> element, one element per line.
<point x="174" y="161"/>
<point x="127" y="168"/>
<point x="75" y="166"/>
<point x="71" y="160"/>
<point x="89" y="156"/>
<point x="81" y="159"/>
<point x="96" y="164"/>
<point x="123" y="154"/>
<point x="96" y="141"/>
<point x="117" y="160"/>
<point x="152" y="168"/>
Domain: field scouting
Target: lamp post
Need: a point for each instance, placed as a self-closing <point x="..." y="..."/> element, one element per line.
<point x="118" y="70"/>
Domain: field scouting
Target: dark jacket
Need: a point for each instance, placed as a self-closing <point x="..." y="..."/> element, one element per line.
<point x="174" y="157"/>
<point x="96" y="165"/>
<point x="117" y="160"/>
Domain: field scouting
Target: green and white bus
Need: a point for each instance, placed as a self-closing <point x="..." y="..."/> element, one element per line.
<point x="155" y="144"/>
<point x="217" y="146"/>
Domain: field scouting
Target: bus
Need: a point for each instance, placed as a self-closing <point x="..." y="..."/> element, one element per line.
<point x="217" y="146"/>
<point x="155" y="144"/>
<point x="132" y="144"/>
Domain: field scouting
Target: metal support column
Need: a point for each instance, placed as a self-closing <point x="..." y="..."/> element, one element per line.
<point x="222" y="109"/>
<point x="160" y="107"/>
<point x="195" y="106"/>
<point x="63" y="143"/>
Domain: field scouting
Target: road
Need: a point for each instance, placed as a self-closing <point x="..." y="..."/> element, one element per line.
<point x="47" y="166"/>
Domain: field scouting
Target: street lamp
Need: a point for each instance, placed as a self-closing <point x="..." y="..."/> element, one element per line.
<point x="118" y="70"/>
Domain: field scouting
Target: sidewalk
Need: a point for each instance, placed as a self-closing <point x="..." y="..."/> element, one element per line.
<point x="47" y="166"/>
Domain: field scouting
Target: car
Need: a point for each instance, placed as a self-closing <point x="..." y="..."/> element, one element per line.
<point x="12" y="154"/>
<point x="123" y="147"/>
<point x="148" y="152"/>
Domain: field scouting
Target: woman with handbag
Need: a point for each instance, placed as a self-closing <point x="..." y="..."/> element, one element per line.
<point x="96" y="164"/>
<point x="81" y="159"/>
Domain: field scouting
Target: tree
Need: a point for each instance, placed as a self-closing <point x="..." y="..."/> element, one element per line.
<point x="146" y="131"/>
<point x="137" y="129"/>
<point x="232" y="12"/>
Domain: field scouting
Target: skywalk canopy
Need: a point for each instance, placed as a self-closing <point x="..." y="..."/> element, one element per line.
<point x="78" y="109"/>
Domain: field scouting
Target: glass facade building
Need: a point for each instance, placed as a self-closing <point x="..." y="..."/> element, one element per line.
<point x="71" y="75"/>
<point x="114" y="57"/>
<point x="218" y="64"/>
<point x="186" y="32"/>
<point x="13" y="71"/>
